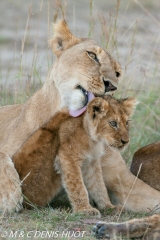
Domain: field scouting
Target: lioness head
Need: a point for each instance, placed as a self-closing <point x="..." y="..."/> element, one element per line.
<point x="108" y="120"/>
<point x="82" y="69"/>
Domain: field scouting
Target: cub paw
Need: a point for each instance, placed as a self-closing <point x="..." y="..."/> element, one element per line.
<point x="90" y="212"/>
<point x="10" y="186"/>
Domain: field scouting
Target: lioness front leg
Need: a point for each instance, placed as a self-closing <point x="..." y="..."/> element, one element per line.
<point x="10" y="192"/>
<point x="94" y="182"/>
<point x="148" y="228"/>
<point x="75" y="188"/>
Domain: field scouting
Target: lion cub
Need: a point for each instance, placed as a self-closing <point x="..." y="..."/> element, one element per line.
<point x="67" y="152"/>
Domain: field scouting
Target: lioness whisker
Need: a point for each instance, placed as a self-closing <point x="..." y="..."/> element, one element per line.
<point x="84" y="75"/>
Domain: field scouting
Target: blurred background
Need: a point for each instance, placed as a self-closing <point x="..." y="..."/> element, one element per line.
<point x="128" y="29"/>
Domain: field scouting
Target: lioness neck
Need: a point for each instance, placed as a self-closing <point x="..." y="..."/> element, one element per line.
<point x="33" y="114"/>
<point x="42" y="105"/>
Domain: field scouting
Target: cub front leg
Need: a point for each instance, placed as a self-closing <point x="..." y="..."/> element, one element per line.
<point x="10" y="186"/>
<point x="93" y="179"/>
<point x="74" y="185"/>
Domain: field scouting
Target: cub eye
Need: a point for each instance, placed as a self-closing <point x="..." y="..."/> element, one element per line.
<point x="93" y="56"/>
<point x="117" y="74"/>
<point x="113" y="124"/>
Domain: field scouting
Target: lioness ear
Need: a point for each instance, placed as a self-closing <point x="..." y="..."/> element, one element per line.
<point x="98" y="108"/>
<point x="129" y="105"/>
<point x="62" y="38"/>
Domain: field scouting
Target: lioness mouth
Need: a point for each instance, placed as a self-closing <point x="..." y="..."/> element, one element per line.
<point x="109" y="86"/>
<point x="88" y="97"/>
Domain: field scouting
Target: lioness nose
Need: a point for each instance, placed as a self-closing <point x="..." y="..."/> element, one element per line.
<point x="108" y="86"/>
<point x="124" y="142"/>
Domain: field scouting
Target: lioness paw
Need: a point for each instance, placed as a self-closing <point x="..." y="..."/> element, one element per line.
<point x="10" y="189"/>
<point x="103" y="230"/>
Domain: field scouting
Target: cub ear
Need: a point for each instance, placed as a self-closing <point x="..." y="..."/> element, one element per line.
<point x="129" y="105"/>
<point x="98" y="107"/>
<point x="62" y="38"/>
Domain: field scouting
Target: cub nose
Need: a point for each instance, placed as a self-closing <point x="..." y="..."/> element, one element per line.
<point x="124" y="142"/>
<point x="109" y="86"/>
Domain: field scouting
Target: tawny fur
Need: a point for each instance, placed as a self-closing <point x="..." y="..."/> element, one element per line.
<point x="72" y="67"/>
<point x="147" y="228"/>
<point x="125" y="188"/>
<point x="67" y="151"/>
<point x="146" y="164"/>
<point x="10" y="185"/>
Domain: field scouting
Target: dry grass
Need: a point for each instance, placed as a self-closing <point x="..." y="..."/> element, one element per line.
<point x="130" y="30"/>
<point x="49" y="220"/>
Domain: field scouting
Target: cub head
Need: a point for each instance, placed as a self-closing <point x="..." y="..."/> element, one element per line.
<point x="82" y="69"/>
<point x="108" y="120"/>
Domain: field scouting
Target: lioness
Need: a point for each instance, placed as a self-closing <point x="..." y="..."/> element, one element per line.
<point x="74" y="146"/>
<point x="82" y="69"/>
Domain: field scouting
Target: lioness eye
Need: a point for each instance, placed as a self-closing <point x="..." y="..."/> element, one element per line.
<point x="93" y="56"/>
<point x="117" y="74"/>
<point x="113" y="124"/>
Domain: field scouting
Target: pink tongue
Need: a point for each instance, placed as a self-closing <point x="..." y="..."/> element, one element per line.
<point x="79" y="112"/>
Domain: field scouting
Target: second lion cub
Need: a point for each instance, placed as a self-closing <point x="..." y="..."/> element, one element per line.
<point x="67" y="151"/>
